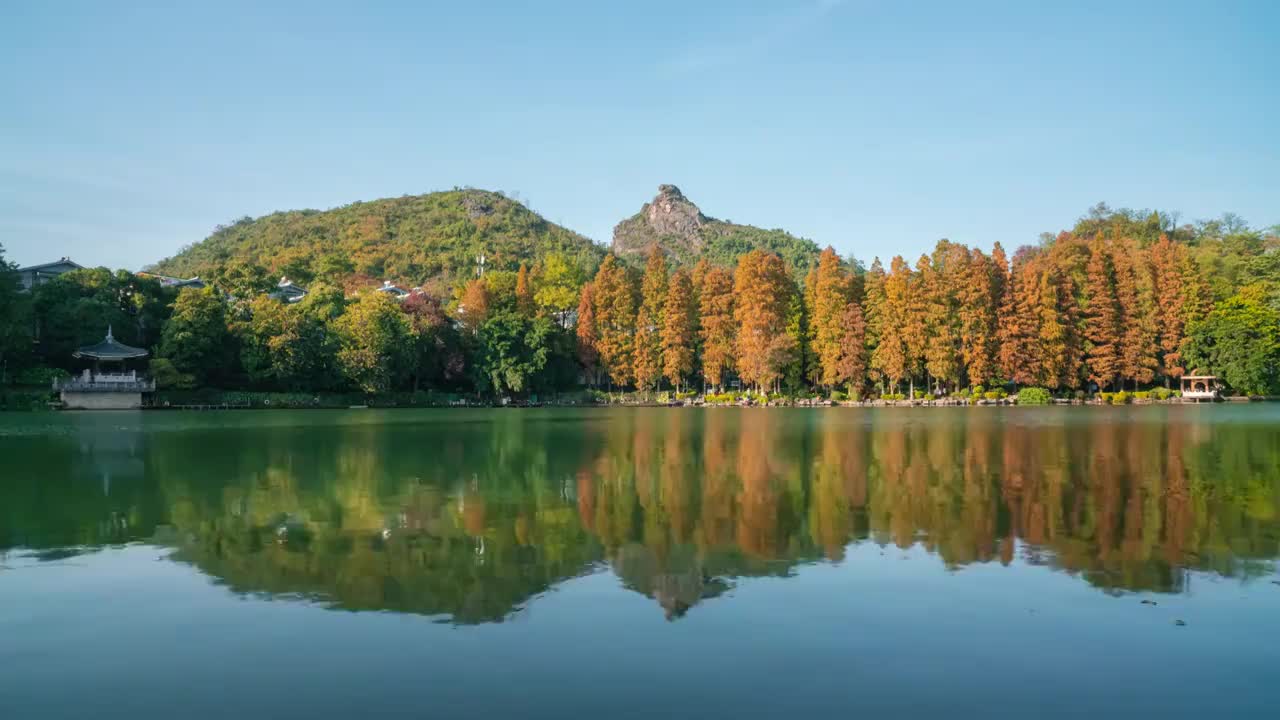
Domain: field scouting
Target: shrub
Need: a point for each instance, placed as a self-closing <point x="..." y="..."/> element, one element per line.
<point x="978" y="390"/>
<point x="39" y="376"/>
<point x="1106" y="397"/>
<point x="1142" y="395"/>
<point x="838" y="396"/>
<point x="993" y="394"/>
<point x="725" y="397"/>
<point x="1162" y="393"/>
<point x="25" y="399"/>
<point x="1034" y="396"/>
<point x="168" y="377"/>
<point x="1121" y="398"/>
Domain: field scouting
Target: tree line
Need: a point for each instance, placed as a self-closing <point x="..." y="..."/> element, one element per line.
<point x="1120" y="301"/>
<point x="1116" y="303"/>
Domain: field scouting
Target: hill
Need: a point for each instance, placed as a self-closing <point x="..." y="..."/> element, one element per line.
<point x="427" y="239"/>
<point x="678" y="226"/>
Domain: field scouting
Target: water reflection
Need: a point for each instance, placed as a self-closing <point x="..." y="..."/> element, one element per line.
<point x="469" y="515"/>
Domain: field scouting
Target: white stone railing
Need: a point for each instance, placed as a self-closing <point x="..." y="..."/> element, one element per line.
<point x="105" y="383"/>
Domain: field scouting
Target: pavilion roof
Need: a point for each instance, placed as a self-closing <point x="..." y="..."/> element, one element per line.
<point x="109" y="349"/>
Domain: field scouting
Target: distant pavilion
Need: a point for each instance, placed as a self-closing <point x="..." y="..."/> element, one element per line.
<point x="115" y="388"/>
<point x="1200" y="387"/>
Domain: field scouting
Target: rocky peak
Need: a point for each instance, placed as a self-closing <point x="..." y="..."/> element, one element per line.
<point x="670" y="220"/>
<point x="671" y="213"/>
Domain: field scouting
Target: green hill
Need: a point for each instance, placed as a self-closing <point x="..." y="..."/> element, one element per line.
<point x="679" y="227"/>
<point x="415" y="240"/>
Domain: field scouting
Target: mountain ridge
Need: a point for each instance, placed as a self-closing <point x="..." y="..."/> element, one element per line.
<point x="435" y="240"/>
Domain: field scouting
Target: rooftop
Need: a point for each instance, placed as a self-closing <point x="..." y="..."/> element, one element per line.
<point x="109" y="349"/>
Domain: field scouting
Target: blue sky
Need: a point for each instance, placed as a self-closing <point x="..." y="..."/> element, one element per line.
<point x="128" y="130"/>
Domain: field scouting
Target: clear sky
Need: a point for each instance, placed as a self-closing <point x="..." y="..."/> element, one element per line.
<point x="128" y="130"/>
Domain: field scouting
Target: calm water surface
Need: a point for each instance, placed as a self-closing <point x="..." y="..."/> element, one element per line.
<point x="1056" y="562"/>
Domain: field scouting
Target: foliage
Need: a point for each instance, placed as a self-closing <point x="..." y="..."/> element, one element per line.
<point x="196" y="338"/>
<point x="679" y="326"/>
<point x="375" y="343"/>
<point x="762" y="291"/>
<point x="168" y="377"/>
<point x="1240" y="341"/>
<point x="39" y="376"/>
<point x="512" y="350"/>
<point x="718" y="331"/>
<point x="647" y="362"/>
<point x="413" y="239"/>
<point x="1034" y="396"/>
<point x="614" y="294"/>
<point x="15" y="321"/>
<point x="559" y="280"/>
<point x="77" y="308"/>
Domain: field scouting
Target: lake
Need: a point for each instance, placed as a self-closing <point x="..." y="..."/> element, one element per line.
<point x="957" y="562"/>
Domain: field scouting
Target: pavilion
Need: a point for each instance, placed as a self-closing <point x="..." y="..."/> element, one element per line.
<point x="1198" y="387"/>
<point x="112" y="389"/>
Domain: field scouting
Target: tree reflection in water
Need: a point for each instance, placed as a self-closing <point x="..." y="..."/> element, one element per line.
<point x="469" y="516"/>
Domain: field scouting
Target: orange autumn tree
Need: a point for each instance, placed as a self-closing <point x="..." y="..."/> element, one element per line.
<point x="891" y="355"/>
<point x="585" y="333"/>
<point x="762" y="295"/>
<point x="679" y="324"/>
<point x="1019" y="360"/>
<point x="615" y="317"/>
<point x="647" y="359"/>
<point x="718" y="331"/>
<point x="1167" y="259"/>
<point x="524" y="292"/>
<point x="977" y="293"/>
<point x="873" y="301"/>
<point x="940" y="277"/>
<point x="1133" y="291"/>
<point x="473" y="306"/>
<point x="1102" y="317"/>
<point x="830" y="296"/>
<point x="852" y="364"/>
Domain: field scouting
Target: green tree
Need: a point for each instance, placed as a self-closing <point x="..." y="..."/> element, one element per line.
<point x="196" y="339"/>
<point x="243" y="280"/>
<point x="512" y="350"/>
<point x="375" y="343"/>
<point x="76" y="308"/>
<point x="1240" y="342"/>
<point x="15" y="321"/>
<point x="288" y="346"/>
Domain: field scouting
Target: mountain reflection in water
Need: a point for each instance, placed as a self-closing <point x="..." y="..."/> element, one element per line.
<point x="469" y="515"/>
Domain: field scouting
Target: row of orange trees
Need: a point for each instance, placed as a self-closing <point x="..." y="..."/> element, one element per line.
<point x="1105" y="312"/>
